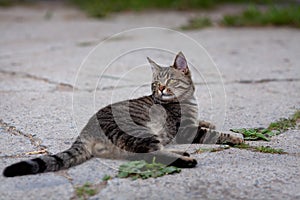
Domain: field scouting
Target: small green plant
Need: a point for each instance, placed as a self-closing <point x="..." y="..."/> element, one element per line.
<point x="85" y="191"/>
<point x="262" y="149"/>
<point x="273" y="129"/>
<point x="242" y="146"/>
<point x="213" y="149"/>
<point x="9" y="3"/>
<point x="106" y="177"/>
<point x="197" y="23"/>
<point x="267" y="149"/>
<point x="255" y="133"/>
<point x="101" y="8"/>
<point x="6" y="3"/>
<point x="142" y="169"/>
<point x="274" y="15"/>
<point x="284" y="124"/>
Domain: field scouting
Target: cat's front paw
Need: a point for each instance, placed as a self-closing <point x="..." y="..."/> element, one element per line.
<point x="230" y="138"/>
<point x="184" y="162"/>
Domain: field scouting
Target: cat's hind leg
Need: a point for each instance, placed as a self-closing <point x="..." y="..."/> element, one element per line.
<point x="174" y="159"/>
<point x="210" y="136"/>
<point x="182" y="153"/>
<point x="206" y="124"/>
<point x="168" y="158"/>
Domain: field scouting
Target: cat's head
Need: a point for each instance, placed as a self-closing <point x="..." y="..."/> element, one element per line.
<point x="174" y="83"/>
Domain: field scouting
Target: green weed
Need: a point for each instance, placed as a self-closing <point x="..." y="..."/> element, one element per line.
<point x="101" y="8"/>
<point x="242" y="146"/>
<point x="106" y="177"/>
<point x="197" y="23"/>
<point x="255" y="133"/>
<point x="284" y="124"/>
<point x="6" y="3"/>
<point x="275" y="16"/>
<point x="85" y="191"/>
<point x="273" y="129"/>
<point x="213" y="149"/>
<point x="142" y="169"/>
<point x="9" y="3"/>
<point x="262" y="149"/>
<point x="267" y="149"/>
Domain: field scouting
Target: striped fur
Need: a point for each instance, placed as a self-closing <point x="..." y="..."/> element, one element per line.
<point x="139" y="128"/>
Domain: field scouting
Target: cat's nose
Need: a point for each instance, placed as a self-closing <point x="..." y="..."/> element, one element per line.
<point x="161" y="87"/>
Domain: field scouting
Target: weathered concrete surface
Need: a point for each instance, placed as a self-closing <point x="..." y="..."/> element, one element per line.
<point x="39" y="59"/>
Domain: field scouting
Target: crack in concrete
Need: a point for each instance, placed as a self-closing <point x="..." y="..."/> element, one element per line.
<point x="208" y="83"/>
<point x="259" y="81"/>
<point x="97" y="187"/>
<point x="68" y="87"/>
<point x="66" y="175"/>
<point x="22" y="155"/>
<point x="59" y="85"/>
<point x="294" y="154"/>
<point x="36" y="142"/>
<point x="267" y="80"/>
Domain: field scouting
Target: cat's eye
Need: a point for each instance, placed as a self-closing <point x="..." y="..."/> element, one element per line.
<point x="154" y="84"/>
<point x="172" y="81"/>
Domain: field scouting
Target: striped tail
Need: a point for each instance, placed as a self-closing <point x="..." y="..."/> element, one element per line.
<point x="76" y="155"/>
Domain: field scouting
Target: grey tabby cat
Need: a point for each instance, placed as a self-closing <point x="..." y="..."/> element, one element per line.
<point x="139" y="128"/>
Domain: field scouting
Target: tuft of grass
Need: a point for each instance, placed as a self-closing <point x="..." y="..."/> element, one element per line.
<point x="6" y="3"/>
<point x="274" y="15"/>
<point x="101" y="8"/>
<point x="255" y="133"/>
<point x="242" y="146"/>
<point x="85" y="191"/>
<point x="284" y="124"/>
<point x="9" y="3"/>
<point x="197" y="23"/>
<point x="106" y="177"/>
<point x="142" y="169"/>
<point x="214" y="149"/>
<point x="267" y="149"/>
<point x="275" y="128"/>
<point x="262" y="149"/>
<point x="85" y="43"/>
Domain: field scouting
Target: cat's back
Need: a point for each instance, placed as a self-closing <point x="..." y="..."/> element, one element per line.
<point x="134" y="110"/>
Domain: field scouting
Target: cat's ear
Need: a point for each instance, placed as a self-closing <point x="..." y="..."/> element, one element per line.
<point x="155" y="67"/>
<point x="180" y="63"/>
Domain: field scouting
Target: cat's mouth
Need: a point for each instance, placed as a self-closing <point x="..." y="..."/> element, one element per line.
<point x="167" y="96"/>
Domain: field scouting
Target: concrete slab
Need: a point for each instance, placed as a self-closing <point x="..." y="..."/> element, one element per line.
<point x="47" y="186"/>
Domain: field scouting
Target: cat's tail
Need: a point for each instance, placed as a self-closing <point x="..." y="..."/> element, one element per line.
<point x="77" y="154"/>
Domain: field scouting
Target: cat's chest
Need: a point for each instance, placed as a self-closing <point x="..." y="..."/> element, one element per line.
<point x="158" y="118"/>
<point x="162" y="120"/>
